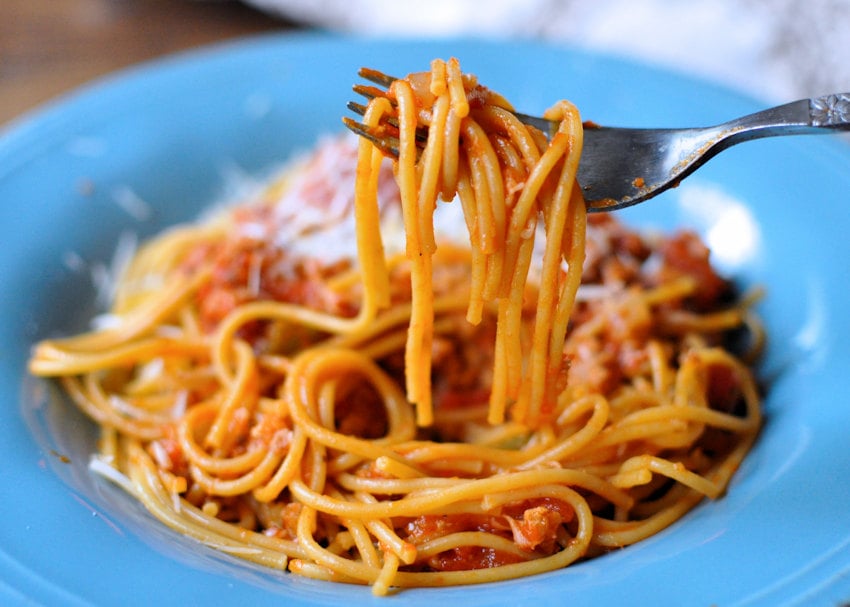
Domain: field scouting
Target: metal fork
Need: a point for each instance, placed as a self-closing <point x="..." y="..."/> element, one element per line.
<point x="620" y="167"/>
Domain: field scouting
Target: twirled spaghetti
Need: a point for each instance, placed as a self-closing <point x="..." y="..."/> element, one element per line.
<point x="505" y="392"/>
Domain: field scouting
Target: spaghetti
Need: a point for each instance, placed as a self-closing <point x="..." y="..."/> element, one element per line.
<point x="499" y="393"/>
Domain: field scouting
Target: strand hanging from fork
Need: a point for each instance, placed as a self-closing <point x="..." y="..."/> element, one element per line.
<point x="453" y="139"/>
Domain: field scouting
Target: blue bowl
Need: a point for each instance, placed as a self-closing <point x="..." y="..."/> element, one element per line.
<point x="154" y="146"/>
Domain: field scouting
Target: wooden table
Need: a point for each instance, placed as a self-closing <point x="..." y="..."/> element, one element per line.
<point x="48" y="47"/>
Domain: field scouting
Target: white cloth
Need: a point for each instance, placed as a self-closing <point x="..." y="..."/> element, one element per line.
<point x="776" y="50"/>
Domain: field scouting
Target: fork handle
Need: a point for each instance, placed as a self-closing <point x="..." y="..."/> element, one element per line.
<point x="825" y="114"/>
<point x="831" y="111"/>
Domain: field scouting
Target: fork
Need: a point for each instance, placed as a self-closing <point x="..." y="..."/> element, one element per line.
<point x="620" y="167"/>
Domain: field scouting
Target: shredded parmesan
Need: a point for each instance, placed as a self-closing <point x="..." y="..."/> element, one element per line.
<point x="131" y="203"/>
<point x="104" y="469"/>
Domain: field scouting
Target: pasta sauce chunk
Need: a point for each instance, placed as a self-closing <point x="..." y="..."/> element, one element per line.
<point x="429" y="370"/>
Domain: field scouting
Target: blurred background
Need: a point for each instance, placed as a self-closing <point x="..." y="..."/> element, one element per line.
<point x="775" y="50"/>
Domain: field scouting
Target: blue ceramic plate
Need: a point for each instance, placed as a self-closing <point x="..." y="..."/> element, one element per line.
<point x="156" y="145"/>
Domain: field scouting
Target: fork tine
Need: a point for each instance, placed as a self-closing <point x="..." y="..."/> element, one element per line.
<point x="357" y="108"/>
<point x="376" y="76"/>
<point x="388" y="144"/>
<point x="370" y="92"/>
